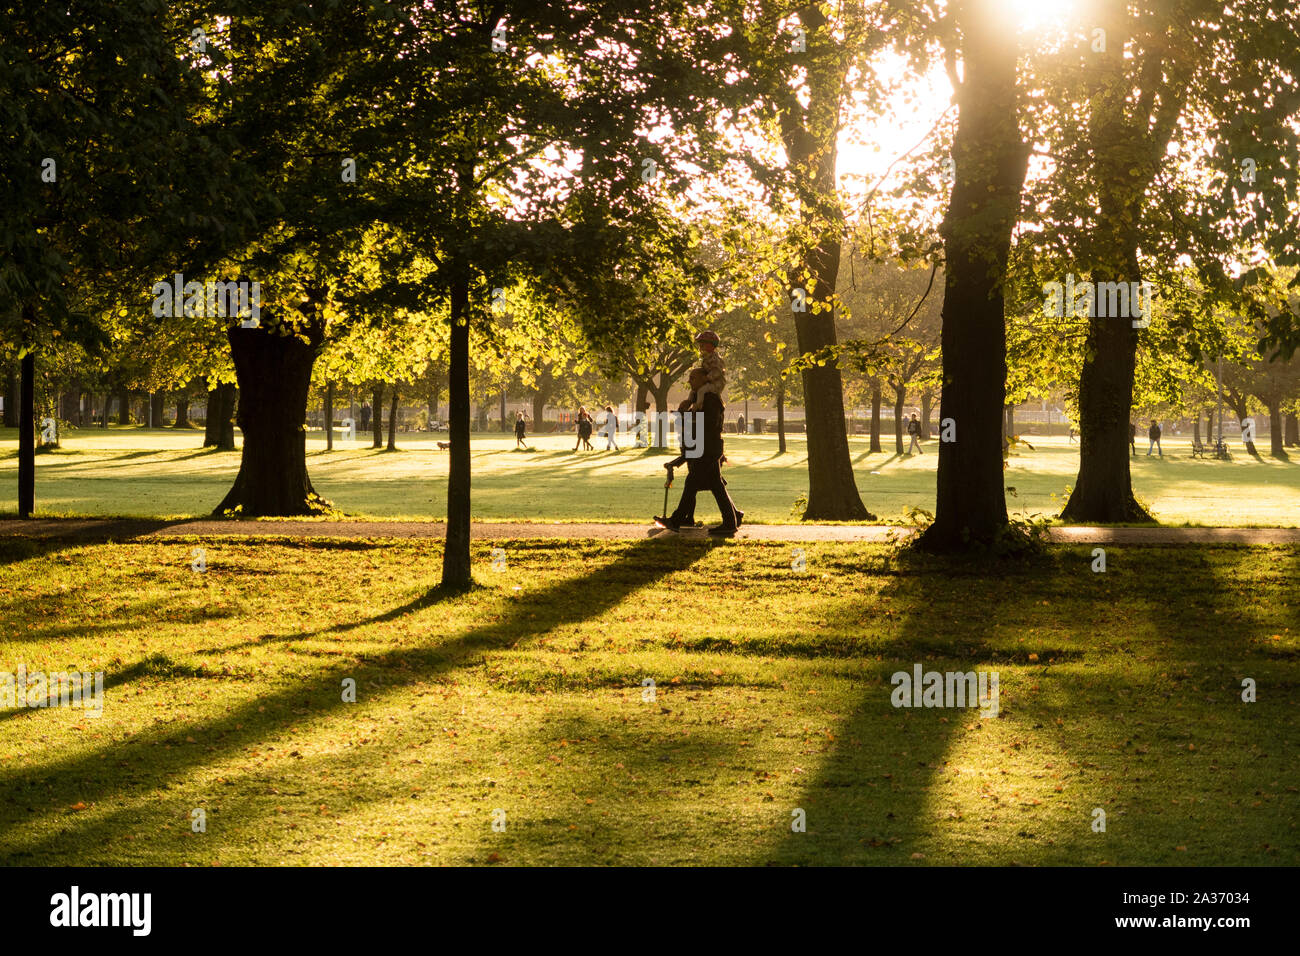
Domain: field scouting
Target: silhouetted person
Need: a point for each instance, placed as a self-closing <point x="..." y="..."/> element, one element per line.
<point x="704" y="473"/>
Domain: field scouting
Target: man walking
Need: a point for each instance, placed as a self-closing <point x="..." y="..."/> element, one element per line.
<point x="914" y="429"/>
<point x="520" y="428"/>
<point x="704" y="472"/>
<point x="1153" y="433"/>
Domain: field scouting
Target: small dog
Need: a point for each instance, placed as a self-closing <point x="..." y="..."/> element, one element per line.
<point x="444" y="445"/>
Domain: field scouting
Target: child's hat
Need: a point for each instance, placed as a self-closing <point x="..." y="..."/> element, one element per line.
<point x="708" y="336"/>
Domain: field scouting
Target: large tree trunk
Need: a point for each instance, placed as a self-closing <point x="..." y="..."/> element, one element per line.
<point x="1292" y="431"/>
<point x="211" y="424"/>
<point x="377" y="422"/>
<point x="990" y="162"/>
<point x="182" y="411"/>
<point x="660" y="393"/>
<point x="455" y="552"/>
<point x="219" y="428"/>
<point x="780" y="417"/>
<point x="108" y="409"/>
<point x="1103" y="491"/>
<point x="875" y="416"/>
<point x="810" y="137"/>
<point x="329" y="416"/>
<point x="27" y="433"/>
<point x="1276" y="436"/>
<point x="832" y="489"/>
<point x="900" y="394"/>
<point x="274" y="375"/>
<point x="157" y="416"/>
<point x="392" y="421"/>
<point x="70" y="407"/>
<point x="539" y="406"/>
<point x="927" y="399"/>
<point x="1196" y="427"/>
<point x="642" y="399"/>
<point x="1240" y="406"/>
<point x="124" y="408"/>
<point x="213" y="419"/>
<point x="1124" y="156"/>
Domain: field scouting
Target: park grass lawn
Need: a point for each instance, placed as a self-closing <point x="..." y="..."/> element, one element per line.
<point x="133" y="471"/>
<point x="1118" y="690"/>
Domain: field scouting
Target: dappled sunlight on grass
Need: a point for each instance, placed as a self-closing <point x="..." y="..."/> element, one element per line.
<point x="770" y="694"/>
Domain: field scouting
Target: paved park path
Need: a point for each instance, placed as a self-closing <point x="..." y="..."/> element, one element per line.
<point x="100" y="529"/>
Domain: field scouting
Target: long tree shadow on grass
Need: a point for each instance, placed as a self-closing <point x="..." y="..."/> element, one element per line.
<point x="867" y="802"/>
<point x="23" y="540"/>
<point x="1232" y="615"/>
<point x="1086" y="722"/>
<point x="84" y="778"/>
<point x="868" y="799"/>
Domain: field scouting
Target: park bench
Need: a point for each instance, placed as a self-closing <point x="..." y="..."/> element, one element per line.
<point x="1218" y="450"/>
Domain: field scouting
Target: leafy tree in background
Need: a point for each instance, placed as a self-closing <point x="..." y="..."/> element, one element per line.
<point x="457" y="171"/>
<point x="1173" y="80"/>
<point x="803" y="82"/>
<point x="102" y="163"/>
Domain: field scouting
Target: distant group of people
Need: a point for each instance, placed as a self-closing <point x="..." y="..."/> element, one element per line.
<point x="704" y="470"/>
<point x="585" y="423"/>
